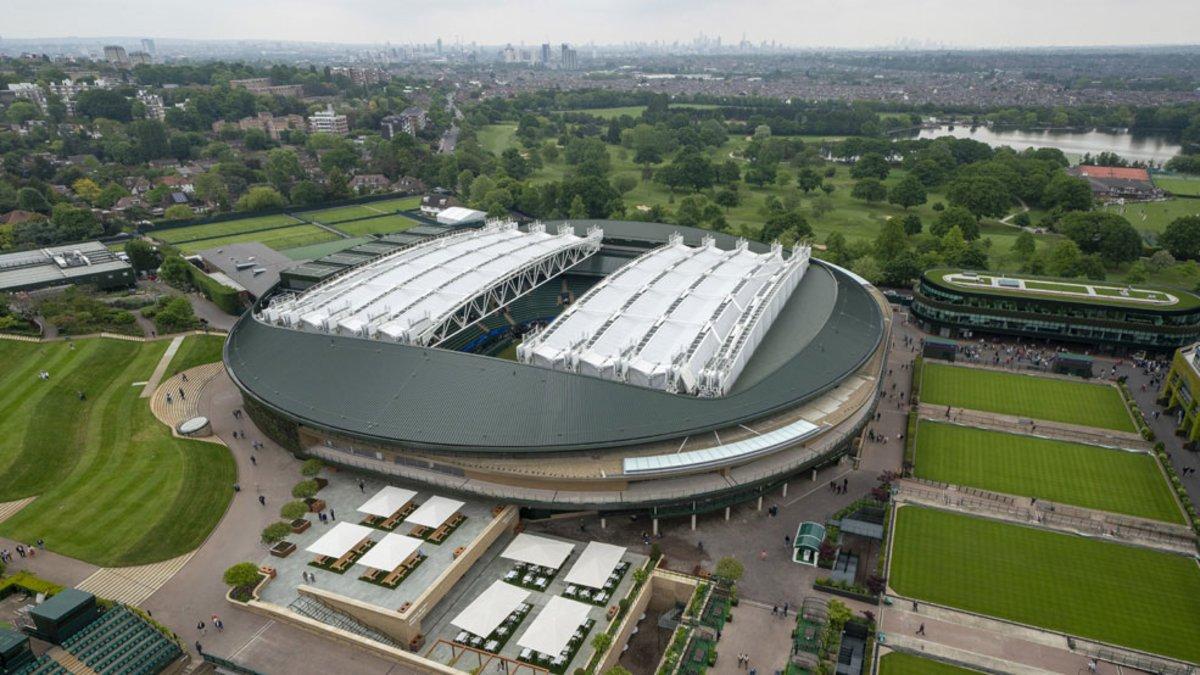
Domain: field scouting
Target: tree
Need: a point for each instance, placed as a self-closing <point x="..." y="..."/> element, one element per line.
<point x="578" y="208"/>
<point x="1106" y="234"/>
<point x="31" y="199"/>
<point x="953" y="246"/>
<point x="1067" y="193"/>
<point x="103" y="103"/>
<point x="305" y="489"/>
<point x="870" y="190"/>
<point x="175" y="316"/>
<point x="260" y="197"/>
<point x="761" y="173"/>
<point x="293" y="509"/>
<point x="178" y="212"/>
<point x="728" y="197"/>
<point x="902" y="269"/>
<point x="956" y="216"/>
<point x="808" y="180"/>
<point x="821" y="206"/>
<point x="22" y="111"/>
<point x="779" y="222"/>
<point x="1160" y="261"/>
<point x="602" y="642"/>
<point x="908" y="192"/>
<point x="275" y="532"/>
<point x="870" y="165"/>
<point x="1025" y="246"/>
<point x="729" y="568"/>
<point x="1138" y="272"/>
<point x="868" y="268"/>
<point x="282" y="168"/>
<point x="241" y="575"/>
<point x="983" y="196"/>
<point x="176" y="271"/>
<point x="624" y="183"/>
<point x="75" y="224"/>
<point x="142" y="255"/>
<point x="912" y="224"/>
<point x="1064" y="259"/>
<point x="87" y="190"/>
<point x="311" y="467"/>
<point x="891" y="241"/>
<point x="1182" y="238"/>
<point x="306" y="192"/>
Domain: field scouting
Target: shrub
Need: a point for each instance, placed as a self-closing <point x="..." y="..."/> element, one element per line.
<point x="305" y="489"/>
<point x="241" y="574"/>
<point x="602" y="642"/>
<point x="730" y="568"/>
<point x="293" y="509"/>
<point x="275" y="532"/>
<point x="311" y="467"/>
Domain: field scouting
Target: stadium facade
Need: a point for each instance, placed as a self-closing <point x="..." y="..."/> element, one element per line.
<point x="648" y="366"/>
<point x="1108" y="316"/>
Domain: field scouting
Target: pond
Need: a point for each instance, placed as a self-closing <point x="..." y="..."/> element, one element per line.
<point x="1156" y="148"/>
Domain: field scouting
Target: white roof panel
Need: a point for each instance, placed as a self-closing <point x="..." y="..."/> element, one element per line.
<point x="535" y="550"/>
<point x="489" y="609"/>
<point x="595" y="564"/>
<point x="341" y="538"/>
<point x="553" y="627"/>
<point x="387" y="501"/>
<point x="390" y="552"/>
<point x="434" y="512"/>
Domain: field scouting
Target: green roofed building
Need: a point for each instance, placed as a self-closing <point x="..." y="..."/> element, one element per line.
<point x="1107" y="316"/>
<point x="807" y="546"/>
<point x="1180" y="389"/>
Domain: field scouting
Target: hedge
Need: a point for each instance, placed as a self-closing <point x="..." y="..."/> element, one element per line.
<point x="221" y="295"/>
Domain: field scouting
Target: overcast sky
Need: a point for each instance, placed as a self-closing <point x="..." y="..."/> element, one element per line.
<point x="818" y="23"/>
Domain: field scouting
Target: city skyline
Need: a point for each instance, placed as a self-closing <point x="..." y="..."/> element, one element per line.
<point x="818" y="24"/>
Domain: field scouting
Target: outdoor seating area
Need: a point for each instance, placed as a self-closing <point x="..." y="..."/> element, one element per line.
<point x="538" y="560"/>
<point x="392" y="560"/>
<point x="493" y="618"/>
<point x="388" y="508"/>
<point x="436" y="519"/>
<point x="341" y="547"/>
<point x="122" y="642"/>
<point x="596" y="574"/>
<point x="557" y="632"/>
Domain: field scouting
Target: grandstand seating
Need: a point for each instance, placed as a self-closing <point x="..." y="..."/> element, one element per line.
<point x="118" y="643"/>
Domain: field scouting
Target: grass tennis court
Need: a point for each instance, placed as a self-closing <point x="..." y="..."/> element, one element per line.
<point x="380" y="225"/>
<point x="899" y="663"/>
<point x="224" y="228"/>
<point x="1071" y="473"/>
<point x="1186" y="186"/>
<point x="393" y="205"/>
<point x="113" y="486"/>
<point x="342" y="213"/>
<point x="1025" y="395"/>
<point x="1119" y="594"/>
<point x="278" y="239"/>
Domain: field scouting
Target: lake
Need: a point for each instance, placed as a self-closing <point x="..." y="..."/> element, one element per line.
<point x="1143" y="147"/>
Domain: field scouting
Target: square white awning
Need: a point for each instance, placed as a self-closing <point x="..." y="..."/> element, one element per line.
<point x="435" y="511"/>
<point x="342" y="538"/>
<point x="390" y="552"/>
<point x="536" y="550"/>
<point x="555" y="624"/>
<point x="595" y="564"/>
<point x="387" y="501"/>
<point x="490" y="608"/>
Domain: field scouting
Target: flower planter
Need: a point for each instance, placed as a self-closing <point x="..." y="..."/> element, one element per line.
<point x="315" y="505"/>
<point x="283" y="549"/>
<point x="300" y="524"/>
<point x="321" y="482"/>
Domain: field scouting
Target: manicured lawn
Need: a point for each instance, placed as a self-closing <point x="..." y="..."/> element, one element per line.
<point x="1187" y="186"/>
<point x="1024" y="395"/>
<point x="223" y="229"/>
<point x="339" y="214"/>
<point x="196" y="350"/>
<point x="496" y="137"/>
<point x="899" y="663"/>
<point x="393" y="205"/>
<point x="1071" y="473"/>
<point x="1155" y="216"/>
<point x="278" y="239"/>
<point x="1124" y="595"/>
<point x="380" y="225"/>
<point x="314" y="251"/>
<point x="113" y="486"/>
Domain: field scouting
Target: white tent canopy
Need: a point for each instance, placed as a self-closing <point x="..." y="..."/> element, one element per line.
<point x="596" y="562"/>
<point x="489" y="609"/>
<point x="435" y="511"/>
<point x="555" y="624"/>
<point x="536" y="550"/>
<point x="342" y="538"/>
<point x="390" y="552"/>
<point x="387" y="501"/>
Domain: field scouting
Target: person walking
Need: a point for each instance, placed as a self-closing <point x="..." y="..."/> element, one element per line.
<point x="921" y="629"/>
<point x="332" y="515"/>
<point x="362" y="486"/>
<point x="262" y="499"/>
<point x="253" y="461"/>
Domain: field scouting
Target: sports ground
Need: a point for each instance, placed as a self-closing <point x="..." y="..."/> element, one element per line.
<point x="1071" y="473"/>
<point x="113" y="486"/>
<point x="1025" y="395"/>
<point x="1124" y="595"/>
<point x="900" y="663"/>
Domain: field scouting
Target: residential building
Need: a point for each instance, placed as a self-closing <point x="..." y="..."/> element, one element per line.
<point x="328" y="121"/>
<point x="545" y="53"/>
<point x="149" y="47"/>
<point x="1180" y="390"/>
<point x="1107" y="316"/>
<point x="371" y="182"/>
<point x="360" y="75"/>
<point x="262" y="85"/>
<point x="1117" y="182"/>
<point x="140" y="58"/>
<point x="30" y="92"/>
<point x="570" y="58"/>
<point x="154" y="105"/>
<point x="410" y="121"/>
<point x="115" y="54"/>
<point x="433" y="204"/>
<point x="266" y="122"/>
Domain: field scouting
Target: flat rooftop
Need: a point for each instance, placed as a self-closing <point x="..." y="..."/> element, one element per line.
<point x="679" y="318"/>
<point x="406" y="295"/>
<point x="58" y="264"/>
<point x="1145" y="296"/>
<point x="253" y="266"/>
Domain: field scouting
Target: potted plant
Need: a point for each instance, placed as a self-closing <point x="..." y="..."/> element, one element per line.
<point x="273" y="536"/>
<point x="311" y="468"/>
<point x="306" y="489"/>
<point x="294" y="512"/>
<point x="241" y="579"/>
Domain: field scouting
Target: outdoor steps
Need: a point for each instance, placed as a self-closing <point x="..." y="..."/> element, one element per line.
<point x="68" y="660"/>
<point x="1021" y="425"/>
<point x="132" y="585"/>
<point x="9" y="509"/>
<point x="172" y="414"/>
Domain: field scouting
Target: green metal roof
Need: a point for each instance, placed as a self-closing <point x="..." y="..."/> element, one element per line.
<point x="10" y="640"/>
<point x="62" y="604"/>
<point x="810" y="535"/>
<point x="1187" y="301"/>
<point x="436" y="399"/>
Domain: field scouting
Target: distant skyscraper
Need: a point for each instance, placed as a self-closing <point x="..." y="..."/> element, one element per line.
<point x="148" y="46"/>
<point x="115" y="54"/>
<point x="545" y="53"/>
<point x="570" y="59"/>
<point x="439" y="46"/>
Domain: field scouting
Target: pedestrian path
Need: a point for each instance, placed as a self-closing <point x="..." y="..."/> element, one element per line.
<point x="1013" y="424"/>
<point x="182" y="408"/>
<point x="132" y="585"/>
<point x="9" y="509"/>
<point x="159" y="370"/>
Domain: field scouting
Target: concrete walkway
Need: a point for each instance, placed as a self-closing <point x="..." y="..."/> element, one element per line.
<point x="755" y="631"/>
<point x="181" y="409"/>
<point x="161" y="368"/>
